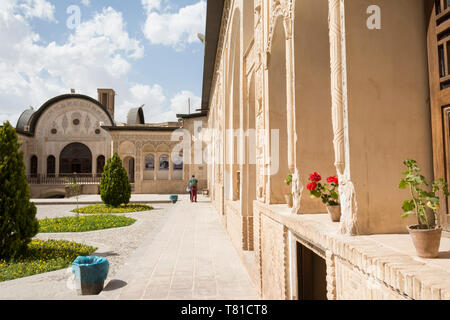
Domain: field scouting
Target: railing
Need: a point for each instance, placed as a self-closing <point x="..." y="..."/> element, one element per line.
<point x="62" y="179"/>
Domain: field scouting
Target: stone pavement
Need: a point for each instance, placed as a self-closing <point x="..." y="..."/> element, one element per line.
<point x="190" y="258"/>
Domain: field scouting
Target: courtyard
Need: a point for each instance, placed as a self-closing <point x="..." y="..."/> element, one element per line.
<point x="175" y="251"/>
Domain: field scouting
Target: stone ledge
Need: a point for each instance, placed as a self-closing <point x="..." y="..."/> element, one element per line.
<point x="390" y="259"/>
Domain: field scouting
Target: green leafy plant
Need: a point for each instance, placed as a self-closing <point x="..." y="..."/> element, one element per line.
<point x="18" y="223"/>
<point x="288" y="181"/>
<point x="42" y="256"/>
<point x="83" y="223"/>
<point x="423" y="199"/>
<point x="115" y="188"/>
<point x="105" y="209"/>
<point x="74" y="188"/>
<point x="328" y="192"/>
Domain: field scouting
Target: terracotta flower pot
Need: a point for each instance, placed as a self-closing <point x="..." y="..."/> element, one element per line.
<point x="426" y="241"/>
<point x="289" y="200"/>
<point x="335" y="213"/>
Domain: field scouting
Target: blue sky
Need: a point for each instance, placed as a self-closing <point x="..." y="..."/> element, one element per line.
<point x="147" y="50"/>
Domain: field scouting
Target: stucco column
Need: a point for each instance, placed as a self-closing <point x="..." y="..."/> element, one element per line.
<point x="290" y="94"/>
<point x="156" y="166"/>
<point x="137" y="167"/>
<point x="57" y="164"/>
<point x="94" y="165"/>
<point x="170" y="168"/>
<point x="339" y="115"/>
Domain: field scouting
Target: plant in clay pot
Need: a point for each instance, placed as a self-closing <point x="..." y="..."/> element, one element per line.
<point x="288" y="196"/>
<point x="328" y="192"/>
<point x="426" y="234"/>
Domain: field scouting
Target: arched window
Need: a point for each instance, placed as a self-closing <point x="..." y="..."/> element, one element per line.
<point x="34" y="166"/>
<point x="51" y="166"/>
<point x="100" y="164"/>
<point x="150" y="162"/>
<point x="164" y="162"/>
<point x="75" y="158"/>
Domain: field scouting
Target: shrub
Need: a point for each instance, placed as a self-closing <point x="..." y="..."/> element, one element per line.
<point x="18" y="223"/>
<point x="115" y="188"/>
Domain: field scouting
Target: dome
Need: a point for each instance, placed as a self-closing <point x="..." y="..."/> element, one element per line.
<point x="24" y="120"/>
<point x="135" y="116"/>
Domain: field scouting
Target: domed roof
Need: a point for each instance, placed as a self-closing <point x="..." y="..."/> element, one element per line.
<point x="135" y="116"/>
<point x="30" y="117"/>
<point x="24" y="120"/>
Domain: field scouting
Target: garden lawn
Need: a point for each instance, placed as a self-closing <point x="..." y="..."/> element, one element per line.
<point x="105" y="209"/>
<point x="43" y="256"/>
<point x="83" y="223"/>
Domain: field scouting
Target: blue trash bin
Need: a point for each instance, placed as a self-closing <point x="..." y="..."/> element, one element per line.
<point x="174" y="198"/>
<point x="90" y="273"/>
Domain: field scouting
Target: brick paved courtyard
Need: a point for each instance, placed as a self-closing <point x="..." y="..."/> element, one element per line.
<point x="181" y="252"/>
<point x="191" y="258"/>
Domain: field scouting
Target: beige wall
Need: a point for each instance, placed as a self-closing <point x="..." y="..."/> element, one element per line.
<point x="378" y="109"/>
<point x="388" y="108"/>
<point x="60" y="116"/>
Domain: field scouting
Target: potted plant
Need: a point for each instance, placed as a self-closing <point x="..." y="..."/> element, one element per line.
<point x="328" y="192"/>
<point x="288" y="196"/>
<point x="426" y="234"/>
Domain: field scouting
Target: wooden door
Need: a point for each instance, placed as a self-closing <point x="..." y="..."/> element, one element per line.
<point x="439" y="72"/>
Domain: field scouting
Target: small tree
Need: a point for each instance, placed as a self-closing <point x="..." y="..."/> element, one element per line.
<point x="115" y="188"/>
<point x="74" y="189"/>
<point x="18" y="223"/>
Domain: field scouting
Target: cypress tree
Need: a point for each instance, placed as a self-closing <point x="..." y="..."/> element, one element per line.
<point x="115" y="188"/>
<point x="18" y="223"/>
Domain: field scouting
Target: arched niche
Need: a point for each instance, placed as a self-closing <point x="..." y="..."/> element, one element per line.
<point x="127" y="148"/>
<point x="148" y="148"/>
<point x="51" y="165"/>
<point x="314" y="128"/>
<point x="163" y="148"/>
<point x="232" y="111"/>
<point x="75" y="158"/>
<point x="33" y="166"/>
<point x="101" y="160"/>
<point x="277" y="72"/>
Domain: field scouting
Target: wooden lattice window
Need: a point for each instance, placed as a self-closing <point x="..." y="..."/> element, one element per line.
<point x="439" y="73"/>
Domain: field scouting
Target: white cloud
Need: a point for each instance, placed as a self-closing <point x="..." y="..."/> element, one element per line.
<point x="174" y="29"/>
<point x="179" y="103"/>
<point x="152" y="96"/>
<point x="156" y="109"/>
<point x="97" y="54"/>
<point x="37" y="9"/>
<point x="150" y="5"/>
<point x="86" y="2"/>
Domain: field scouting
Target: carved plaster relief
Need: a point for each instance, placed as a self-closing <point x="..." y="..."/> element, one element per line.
<point x="339" y="111"/>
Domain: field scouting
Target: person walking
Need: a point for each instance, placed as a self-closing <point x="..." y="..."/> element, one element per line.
<point x="193" y="186"/>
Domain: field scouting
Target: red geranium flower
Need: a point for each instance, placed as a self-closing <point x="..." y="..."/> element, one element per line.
<point x="333" y="179"/>
<point x="311" y="186"/>
<point x="315" y="177"/>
